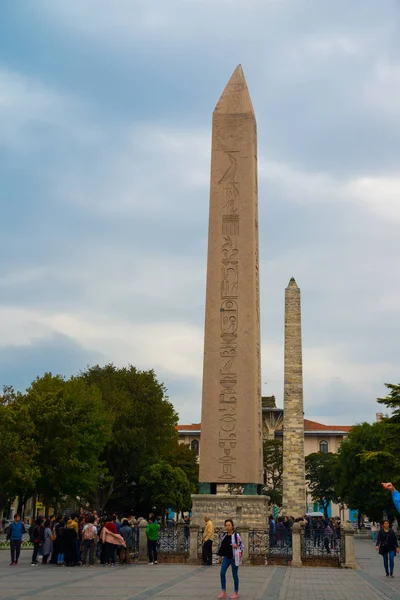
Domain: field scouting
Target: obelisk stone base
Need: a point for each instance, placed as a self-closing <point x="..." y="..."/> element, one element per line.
<point x="248" y="510"/>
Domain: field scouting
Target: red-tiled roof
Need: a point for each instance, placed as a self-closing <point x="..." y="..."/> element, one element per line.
<point x="314" y="426"/>
<point x="192" y="427"/>
<point x="308" y="426"/>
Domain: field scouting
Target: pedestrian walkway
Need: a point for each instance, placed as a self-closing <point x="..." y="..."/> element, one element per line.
<point x="175" y="582"/>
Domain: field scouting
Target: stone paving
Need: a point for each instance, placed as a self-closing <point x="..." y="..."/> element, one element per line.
<point x="173" y="582"/>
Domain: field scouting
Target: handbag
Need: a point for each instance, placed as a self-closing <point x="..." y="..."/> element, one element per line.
<point x="238" y="552"/>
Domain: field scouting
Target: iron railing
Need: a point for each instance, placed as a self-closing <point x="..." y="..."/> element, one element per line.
<point x="173" y="539"/>
<point x="134" y="552"/>
<point x="5" y="544"/>
<point x="258" y="546"/>
<point x="280" y="543"/>
<point x="321" y="543"/>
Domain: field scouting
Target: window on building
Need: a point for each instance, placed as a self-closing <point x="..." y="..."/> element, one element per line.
<point x="195" y="446"/>
<point x="323" y="446"/>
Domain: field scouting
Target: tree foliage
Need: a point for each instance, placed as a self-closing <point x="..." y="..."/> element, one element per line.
<point x="182" y="456"/>
<point x="18" y="469"/>
<point x="164" y="486"/>
<point x="273" y="469"/>
<point x="144" y="422"/>
<point x="321" y="477"/>
<point x="358" y="478"/>
<point x="94" y="437"/>
<point x="71" y="427"/>
<point x="390" y="428"/>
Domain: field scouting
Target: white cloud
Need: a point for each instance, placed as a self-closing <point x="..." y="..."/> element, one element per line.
<point x="379" y="194"/>
<point x="173" y="348"/>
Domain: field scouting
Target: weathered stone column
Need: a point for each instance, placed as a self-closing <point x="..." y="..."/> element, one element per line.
<point x="244" y="534"/>
<point x="348" y="539"/>
<point x="294" y="488"/>
<point x="142" y="558"/>
<point x="296" y="545"/>
<point x="193" y="553"/>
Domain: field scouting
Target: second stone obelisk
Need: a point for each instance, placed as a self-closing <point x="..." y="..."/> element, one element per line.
<point x="231" y="427"/>
<point x="294" y="495"/>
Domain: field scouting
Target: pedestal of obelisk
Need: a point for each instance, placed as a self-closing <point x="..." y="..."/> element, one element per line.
<point x="294" y="494"/>
<point x="231" y="424"/>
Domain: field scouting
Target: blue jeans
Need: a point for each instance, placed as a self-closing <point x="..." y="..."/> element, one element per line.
<point x="374" y="536"/>
<point x="388" y="557"/>
<point x="226" y="563"/>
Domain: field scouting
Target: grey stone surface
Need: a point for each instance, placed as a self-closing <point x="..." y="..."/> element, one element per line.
<point x="169" y="581"/>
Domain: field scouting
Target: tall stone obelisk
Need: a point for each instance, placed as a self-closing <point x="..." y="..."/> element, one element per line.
<point x="294" y="494"/>
<point x="231" y="425"/>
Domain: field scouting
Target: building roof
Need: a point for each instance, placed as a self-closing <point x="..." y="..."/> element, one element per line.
<point x="314" y="426"/>
<point x="192" y="427"/>
<point x="310" y="426"/>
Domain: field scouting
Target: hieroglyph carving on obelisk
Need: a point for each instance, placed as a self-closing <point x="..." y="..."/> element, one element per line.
<point x="231" y="425"/>
<point x="294" y="499"/>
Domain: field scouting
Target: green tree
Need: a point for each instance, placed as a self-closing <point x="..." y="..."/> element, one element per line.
<point x="273" y="470"/>
<point x="182" y="456"/>
<point x="358" y="479"/>
<point x="321" y="477"/>
<point x="144" y="425"/>
<point x="17" y="448"/>
<point x="164" y="486"/>
<point x="71" y="427"/>
<point x="390" y="428"/>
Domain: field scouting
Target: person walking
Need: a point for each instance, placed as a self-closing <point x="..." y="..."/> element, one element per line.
<point x="152" y="530"/>
<point x="89" y="538"/>
<point x="230" y="551"/>
<point x="208" y="536"/>
<point x="387" y="546"/>
<point x="375" y="527"/>
<point x="14" y="532"/>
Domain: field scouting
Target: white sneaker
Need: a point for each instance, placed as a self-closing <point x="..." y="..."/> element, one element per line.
<point x="155" y="562"/>
<point x="151" y="563"/>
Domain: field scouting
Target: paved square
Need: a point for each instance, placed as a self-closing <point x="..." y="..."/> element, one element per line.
<point x="168" y="581"/>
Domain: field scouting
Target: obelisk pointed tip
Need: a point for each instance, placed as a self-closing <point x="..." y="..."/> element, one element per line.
<point x="292" y="283"/>
<point x="235" y="98"/>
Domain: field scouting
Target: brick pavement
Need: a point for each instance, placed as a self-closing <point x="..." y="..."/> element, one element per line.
<point x="173" y="582"/>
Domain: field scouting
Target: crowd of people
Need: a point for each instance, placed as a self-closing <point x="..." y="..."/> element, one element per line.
<point x="80" y="539"/>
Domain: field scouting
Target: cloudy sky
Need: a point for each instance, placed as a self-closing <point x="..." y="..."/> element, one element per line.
<point x="105" y="120"/>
